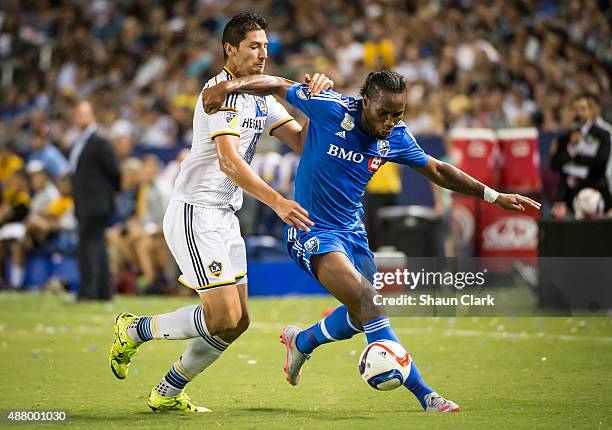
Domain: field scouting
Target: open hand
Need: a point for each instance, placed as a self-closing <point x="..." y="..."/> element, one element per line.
<point x="515" y="202"/>
<point x="290" y="212"/>
<point x="318" y="83"/>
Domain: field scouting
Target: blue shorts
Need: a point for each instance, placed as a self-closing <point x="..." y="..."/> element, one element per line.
<point x="352" y="243"/>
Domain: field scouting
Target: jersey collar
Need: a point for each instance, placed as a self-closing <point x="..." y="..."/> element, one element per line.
<point x="229" y="71"/>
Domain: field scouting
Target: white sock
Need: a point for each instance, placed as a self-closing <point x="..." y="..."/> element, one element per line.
<point x="201" y="352"/>
<point x="180" y="324"/>
<point x="17" y="276"/>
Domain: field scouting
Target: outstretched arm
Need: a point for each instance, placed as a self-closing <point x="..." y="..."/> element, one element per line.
<point x="259" y="85"/>
<point x="448" y="176"/>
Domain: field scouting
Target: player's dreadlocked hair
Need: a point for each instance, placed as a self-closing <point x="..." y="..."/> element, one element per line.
<point x="239" y="26"/>
<point x="384" y="80"/>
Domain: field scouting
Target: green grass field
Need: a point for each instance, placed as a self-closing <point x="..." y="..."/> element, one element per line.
<point x="504" y="372"/>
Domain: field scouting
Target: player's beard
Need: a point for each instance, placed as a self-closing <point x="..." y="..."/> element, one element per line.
<point x="258" y="69"/>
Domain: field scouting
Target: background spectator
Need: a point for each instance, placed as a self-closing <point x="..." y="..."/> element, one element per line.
<point x="43" y="193"/>
<point x="43" y="188"/>
<point x="582" y="156"/>
<point x="16" y="200"/>
<point x="144" y="66"/>
<point x="55" y="220"/>
<point x="14" y="209"/>
<point x="95" y="180"/>
<point x="10" y="163"/>
<point x="43" y="151"/>
<point x="141" y="65"/>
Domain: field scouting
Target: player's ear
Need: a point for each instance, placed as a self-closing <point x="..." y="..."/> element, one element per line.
<point x="365" y="102"/>
<point x="230" y="49"/>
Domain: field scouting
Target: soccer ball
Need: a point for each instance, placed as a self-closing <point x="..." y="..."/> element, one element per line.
<point x="384" y="365"/>
<point x="588" y="203"/>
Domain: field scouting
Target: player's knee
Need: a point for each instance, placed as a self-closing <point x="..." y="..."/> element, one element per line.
<point x="243" y="324"/>
<point x="220" y="326"/>
<point x="225" y="320"/>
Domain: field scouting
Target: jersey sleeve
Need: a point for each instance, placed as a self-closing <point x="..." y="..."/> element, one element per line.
<point x="408" y="151"/>
<point x="316" y="107"/>
<point x="277" y="115"/>
<point x="227" y="120"/>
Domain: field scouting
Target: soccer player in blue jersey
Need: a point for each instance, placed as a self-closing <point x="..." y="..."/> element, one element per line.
<point x="347" y="141"/>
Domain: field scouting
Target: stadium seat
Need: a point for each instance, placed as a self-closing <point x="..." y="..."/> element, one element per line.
<point x="38" y="271"/>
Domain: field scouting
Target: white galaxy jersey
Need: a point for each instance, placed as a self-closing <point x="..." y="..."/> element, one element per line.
<point x="200" y="181"/>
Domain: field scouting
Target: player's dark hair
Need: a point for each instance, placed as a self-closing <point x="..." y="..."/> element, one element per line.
<point x="236" y="29"/>
<point x="384" y="80"/>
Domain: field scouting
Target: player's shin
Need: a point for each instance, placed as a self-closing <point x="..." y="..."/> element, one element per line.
<point x="336" y="326"/>
<point x="200" y="354"/>
<point x="379" y="329"/>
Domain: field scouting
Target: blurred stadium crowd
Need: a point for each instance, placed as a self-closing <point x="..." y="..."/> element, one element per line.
<point x="142" y="63"/>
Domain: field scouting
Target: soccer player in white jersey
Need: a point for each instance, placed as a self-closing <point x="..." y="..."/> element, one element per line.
<point x="200" y="227"/>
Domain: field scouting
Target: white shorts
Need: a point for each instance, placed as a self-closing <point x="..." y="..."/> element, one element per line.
<point x="206" y="244"/>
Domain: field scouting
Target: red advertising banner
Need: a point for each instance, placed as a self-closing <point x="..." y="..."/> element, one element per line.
<point x="519" y="160"/>
<point x="474" y="150"/>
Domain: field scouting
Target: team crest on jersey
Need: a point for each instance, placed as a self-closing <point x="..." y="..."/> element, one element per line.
<point x="382" y="147"/>
<point x="348" y="123"/>
<point x="262" y="106"/>
<point x="215" y="268"/>
<point x="312" y="244"/>
<point x="303" y="92"/>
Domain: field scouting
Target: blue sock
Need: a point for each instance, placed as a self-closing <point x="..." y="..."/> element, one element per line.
<point x="379" y="329"/>
<point x="142" y="332"/>
<point x="335" y="326"/>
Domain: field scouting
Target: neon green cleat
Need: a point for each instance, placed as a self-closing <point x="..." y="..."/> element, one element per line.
<point x="179" y="403"/>
<point x="123" y="348"/>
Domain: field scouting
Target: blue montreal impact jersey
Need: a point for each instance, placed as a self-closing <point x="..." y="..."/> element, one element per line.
<point x="340" y="158"/>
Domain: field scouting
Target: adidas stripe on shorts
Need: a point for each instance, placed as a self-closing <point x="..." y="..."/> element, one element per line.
<point x="206" y="244"/>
